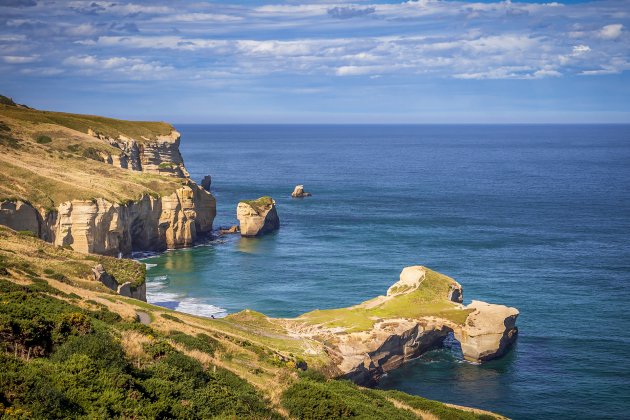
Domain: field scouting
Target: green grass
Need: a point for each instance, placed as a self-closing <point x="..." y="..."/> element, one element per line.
<point x="141" y="131"/>
<point x="430" y="299"/>
<point x="260" y="203"/>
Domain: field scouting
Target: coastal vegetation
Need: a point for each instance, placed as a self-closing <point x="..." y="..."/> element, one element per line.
<point x="70" y="347"/>
<point x="48" y="158"/>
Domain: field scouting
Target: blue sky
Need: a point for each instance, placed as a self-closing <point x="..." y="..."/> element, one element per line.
<point x="429" y="61"/>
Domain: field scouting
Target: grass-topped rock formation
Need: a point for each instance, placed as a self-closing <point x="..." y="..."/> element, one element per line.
<point x="98" y="185"/>
<point x="70" y="347"/>
<point x="257" y="217"/>
<point x="417" y="314"/>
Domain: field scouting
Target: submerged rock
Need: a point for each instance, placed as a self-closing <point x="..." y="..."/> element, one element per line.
<point x="257" y="217"/>
<point x="231" y="230"/>
<point x="299" y="192"/>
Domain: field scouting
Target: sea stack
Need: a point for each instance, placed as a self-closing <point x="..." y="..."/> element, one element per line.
<point x="299" y="192"/>
<point x="206" y="182"/>
<point x="257" y="217"/>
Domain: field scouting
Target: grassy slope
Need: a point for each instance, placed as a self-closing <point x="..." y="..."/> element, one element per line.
<point x="51" y="172"/>
<point x="69" y="345"/>
<point x="430" y="299"/>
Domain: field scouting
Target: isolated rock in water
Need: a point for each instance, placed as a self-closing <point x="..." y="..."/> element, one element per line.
<point x="206" y="182"/>
<point x="257" y="217"/>
<point x="488" y="331"/>
<point x="230" y="230"/>
<point x="299" y="192"/>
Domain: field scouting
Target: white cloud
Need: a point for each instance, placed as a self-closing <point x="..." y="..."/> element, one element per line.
<point x="611" y="31"/>
<point x="132" y="67"/>
<point x="16" y="59"/>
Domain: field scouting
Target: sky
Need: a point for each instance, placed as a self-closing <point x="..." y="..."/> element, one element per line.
<point x="427" y="61"/>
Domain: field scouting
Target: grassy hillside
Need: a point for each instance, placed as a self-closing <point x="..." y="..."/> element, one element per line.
<point x="70" y="347"/>
<point x="48" y="158"/>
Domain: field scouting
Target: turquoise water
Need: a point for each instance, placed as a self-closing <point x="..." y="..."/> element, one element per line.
<point x="535" y="217"/>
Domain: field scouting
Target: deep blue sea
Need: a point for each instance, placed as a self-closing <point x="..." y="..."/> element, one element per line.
<point x="536" y="217"/>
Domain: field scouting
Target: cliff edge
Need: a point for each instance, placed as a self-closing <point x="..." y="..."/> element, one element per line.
<point x="98" y="185"/>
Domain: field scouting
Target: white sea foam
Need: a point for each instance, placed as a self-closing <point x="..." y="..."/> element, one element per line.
<point x="157" y="295"/>
<point x="150" y="266"/>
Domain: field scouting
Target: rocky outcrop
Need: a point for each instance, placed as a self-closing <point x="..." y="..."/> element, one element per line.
<point x="125" y="289"/>
<point x="298" y="192"/>
<point x="206" y="182"/>
<point x="101" y="227"/>
<point x="257" y="217"/>
<point x="160" y="155"/>
<point x="366" y="354"/>
<point x="20" y="216"/>
<point x="229" y="231"/>
<point x="488" y="332"/>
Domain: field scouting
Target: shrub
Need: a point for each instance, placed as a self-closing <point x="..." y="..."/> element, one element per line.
<point x="201" y="342"/>
<point x="311" y="400"/>
<point x="100" y="347"/>
<point x="92" y="153"/>
<point x="43" y="139"/>
<point x="171" y="318"/>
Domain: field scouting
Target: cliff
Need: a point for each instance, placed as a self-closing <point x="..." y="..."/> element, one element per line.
<point x="98" y="185"/>
<point x="418" y="313"/>
<point x="67" y="339"/>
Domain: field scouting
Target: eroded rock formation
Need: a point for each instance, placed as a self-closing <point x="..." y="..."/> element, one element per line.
<point x="160" y="155"/>
<point x="125" y="289"/>
<point x="368" y="340"/>
<point x="298" y="192"/>
<point x="257" y="217"/>
<point x="101" y="227"/>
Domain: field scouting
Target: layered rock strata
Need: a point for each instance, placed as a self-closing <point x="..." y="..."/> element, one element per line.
<point x="101" y="227"/>
<point x="160" y="155"/>
<point x="364" y="354"/>
<point x="257" y="217"/>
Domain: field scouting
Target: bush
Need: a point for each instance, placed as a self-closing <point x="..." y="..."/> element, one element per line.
<point x="201" y="342"/>
<point x="92" y="153"/>
<point x="100" y="347"/>
<point x="311" y="400"/>
<point x="42" y="139"/>
<point x="171" y="318"/>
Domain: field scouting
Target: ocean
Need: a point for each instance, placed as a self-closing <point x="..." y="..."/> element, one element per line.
<point x="531" y="216"/>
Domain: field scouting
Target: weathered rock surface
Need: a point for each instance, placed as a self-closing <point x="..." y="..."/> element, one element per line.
<point x="229" y="231"/>
<point x="206" y="182"/>
<point x="257" y="217"/>
<point x="101" y="227"/>
<point x="159" y="156"/>
<point x="20" y="216"/>
<point x="298" y="192"/>
<point x="489" y="331"/>
<point x="365" y="355"/>
<point x="125" y="289"/>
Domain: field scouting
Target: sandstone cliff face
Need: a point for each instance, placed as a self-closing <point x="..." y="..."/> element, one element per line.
<point x="257" y="217"/>
<point x="365" y="356"/>
<point x="101" y="227"/>
<point x="159" y="156"/>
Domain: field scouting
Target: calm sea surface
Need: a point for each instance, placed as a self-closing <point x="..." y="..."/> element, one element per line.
<point x="536" y="217"/>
